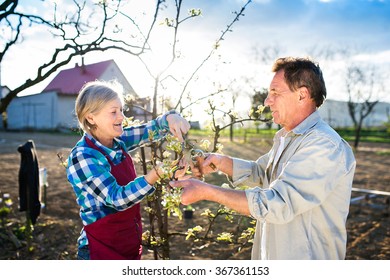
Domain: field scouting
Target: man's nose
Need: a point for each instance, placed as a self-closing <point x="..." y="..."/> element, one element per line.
<point x="267" y="101"/>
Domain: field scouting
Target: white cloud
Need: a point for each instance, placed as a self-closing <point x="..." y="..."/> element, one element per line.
<point x="381" y="57"/>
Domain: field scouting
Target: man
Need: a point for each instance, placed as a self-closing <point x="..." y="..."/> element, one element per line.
<point x="304" y="182"/>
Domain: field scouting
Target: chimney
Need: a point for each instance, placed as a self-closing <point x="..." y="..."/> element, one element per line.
<point x="83" y="69"/>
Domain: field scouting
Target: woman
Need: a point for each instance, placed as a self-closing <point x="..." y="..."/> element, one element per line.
<point x="103" y="176"/>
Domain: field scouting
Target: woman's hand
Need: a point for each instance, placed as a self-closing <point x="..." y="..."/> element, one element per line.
<point x="153" y="175"/>
<point x="178" y="126"/>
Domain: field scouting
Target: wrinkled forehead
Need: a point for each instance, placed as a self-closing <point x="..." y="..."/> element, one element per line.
<point x="278" y="82"/>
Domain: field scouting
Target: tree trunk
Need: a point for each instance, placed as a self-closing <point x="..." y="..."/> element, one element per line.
<point x="358" y="130"/>
<point x="151" y="215"/>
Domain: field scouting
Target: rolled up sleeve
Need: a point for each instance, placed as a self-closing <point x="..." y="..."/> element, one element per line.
<point x="246" y="171"/>
<point x="257" y="203"/>
<point x="304" y="182"/>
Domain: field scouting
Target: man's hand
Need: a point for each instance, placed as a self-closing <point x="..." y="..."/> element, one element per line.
<point x="193" y="190"/>
<point x="210" y="163"/>
<point x="181" y="172"/>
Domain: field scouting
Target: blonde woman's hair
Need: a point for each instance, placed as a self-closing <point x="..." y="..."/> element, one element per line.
<point x="92" y="98"/>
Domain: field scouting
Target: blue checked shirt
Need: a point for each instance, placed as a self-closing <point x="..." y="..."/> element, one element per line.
<point x="97" y="192"/>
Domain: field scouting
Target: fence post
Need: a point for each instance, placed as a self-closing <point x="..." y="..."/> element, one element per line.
<point x="43" y="185"/>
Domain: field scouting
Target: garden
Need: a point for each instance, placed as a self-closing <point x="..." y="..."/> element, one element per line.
<point x="212" y="232"/>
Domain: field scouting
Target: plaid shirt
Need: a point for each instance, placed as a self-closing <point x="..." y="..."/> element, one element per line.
<point x="97" y="192"/>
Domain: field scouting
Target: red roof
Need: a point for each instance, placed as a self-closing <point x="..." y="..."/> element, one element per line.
<point x="70" y="81"/>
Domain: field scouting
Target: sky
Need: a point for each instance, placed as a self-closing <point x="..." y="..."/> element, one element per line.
<point x="291" y="27"/>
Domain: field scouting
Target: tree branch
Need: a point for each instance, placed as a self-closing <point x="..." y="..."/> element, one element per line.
<point x="216" y="45"/>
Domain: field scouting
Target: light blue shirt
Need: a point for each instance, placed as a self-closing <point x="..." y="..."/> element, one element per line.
<point x="301" y="200"/>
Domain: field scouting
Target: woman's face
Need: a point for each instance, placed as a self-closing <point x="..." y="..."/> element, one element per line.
<point x="108" y="122"/>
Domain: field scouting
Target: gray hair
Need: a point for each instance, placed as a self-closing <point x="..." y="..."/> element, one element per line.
<point x="304" y="72"/>
<point x="92" y="98"/>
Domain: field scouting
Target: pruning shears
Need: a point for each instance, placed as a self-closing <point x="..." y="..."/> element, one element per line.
<point x="190" y="152"/>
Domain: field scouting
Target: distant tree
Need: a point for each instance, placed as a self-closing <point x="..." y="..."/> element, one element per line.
<point x="258" y="99"/>
<point x="364" y="84"/>
<point x="364" y="81"/>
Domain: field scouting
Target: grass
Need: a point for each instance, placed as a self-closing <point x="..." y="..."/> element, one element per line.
<point x="379" y="135"/>
<point x="237" y="134"/>
<point x="368" y="139"/>
<point x="383" y="153"/>
<point x="367" y="135"/>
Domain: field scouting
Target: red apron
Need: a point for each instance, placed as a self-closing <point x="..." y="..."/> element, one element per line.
<point x="117" y="236"/>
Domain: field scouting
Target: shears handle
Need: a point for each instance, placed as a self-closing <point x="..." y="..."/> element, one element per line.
<point x="198" y="155"/>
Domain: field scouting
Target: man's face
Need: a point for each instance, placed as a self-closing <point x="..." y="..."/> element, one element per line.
<point x="282" y="101"/>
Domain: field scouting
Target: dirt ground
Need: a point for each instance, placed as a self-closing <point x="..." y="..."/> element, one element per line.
<point x="58" y="226"/>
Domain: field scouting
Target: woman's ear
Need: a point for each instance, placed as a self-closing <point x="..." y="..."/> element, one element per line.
<point x="90" y="119"/>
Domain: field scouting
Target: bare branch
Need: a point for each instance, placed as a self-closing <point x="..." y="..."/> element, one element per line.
<point x="216" y="45"/>
<point x="203" y="98"/>
<point x="361" y="84"/>
<point x="75" y="42"/>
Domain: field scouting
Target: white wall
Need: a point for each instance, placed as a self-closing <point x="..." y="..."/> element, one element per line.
<point x="113" y="72"/>
<point x="50" y="110"/>
<point x="66" y="114"/>
<point x="38" y="111"/>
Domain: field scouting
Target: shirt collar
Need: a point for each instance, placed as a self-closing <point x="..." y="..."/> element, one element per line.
<point x="112" y="153"/>
<point x="303" y="127"/>
<point x="307" y="123"/>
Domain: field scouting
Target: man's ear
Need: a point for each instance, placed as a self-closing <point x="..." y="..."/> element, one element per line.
<point x="303" y="93"/>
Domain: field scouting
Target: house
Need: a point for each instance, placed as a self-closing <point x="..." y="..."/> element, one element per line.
<point x="337" y="115"/>
<point x="53" y="108"/>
